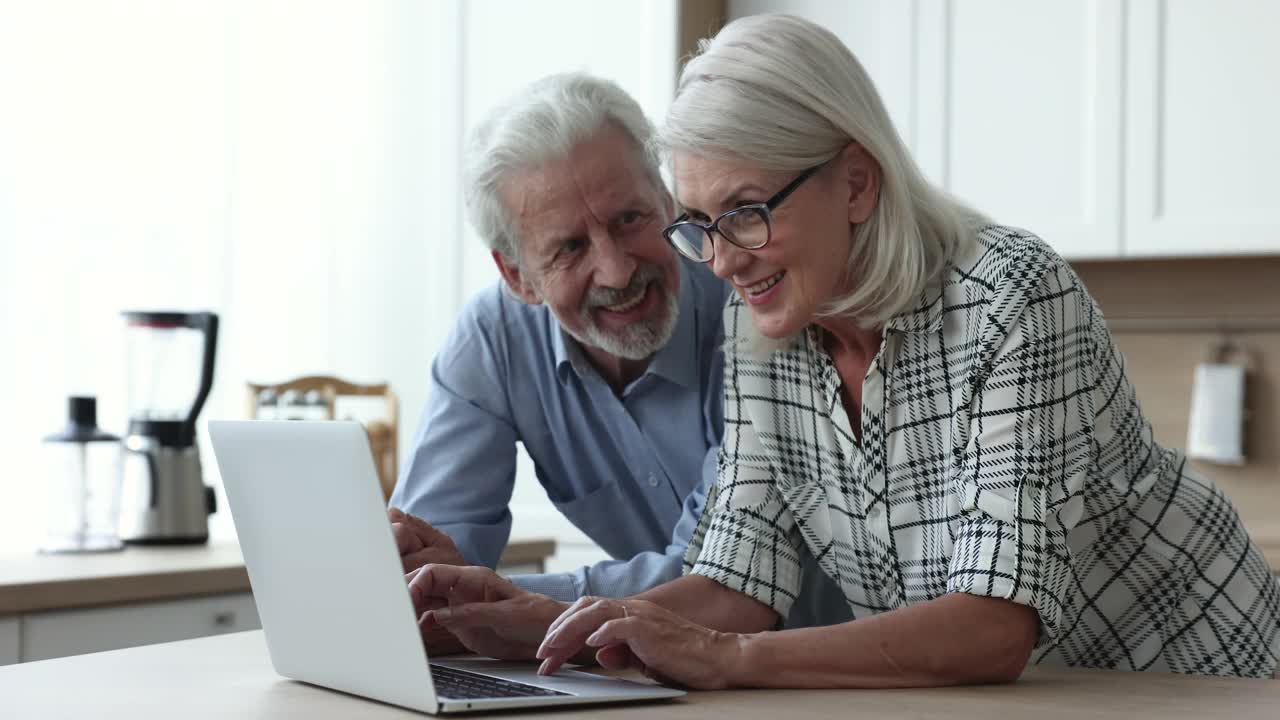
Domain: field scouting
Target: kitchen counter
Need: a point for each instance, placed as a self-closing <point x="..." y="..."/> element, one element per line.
<point x="32" y="582"/>
<point x="231" y="676"/>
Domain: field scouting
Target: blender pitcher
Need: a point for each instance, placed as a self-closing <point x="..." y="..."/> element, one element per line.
<point x="170" y="362"/>
<point x="82" y="503"/>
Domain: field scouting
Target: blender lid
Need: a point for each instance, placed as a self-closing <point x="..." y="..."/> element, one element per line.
<point x="82" y="423"/>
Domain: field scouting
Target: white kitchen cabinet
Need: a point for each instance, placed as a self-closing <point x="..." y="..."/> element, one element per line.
<point x="10" y="640"/>
<point x="1203" y="107"/>
<point x="72" y="632"/>
<point x="1020" y="114"/>
<point x="1013" y="107"/>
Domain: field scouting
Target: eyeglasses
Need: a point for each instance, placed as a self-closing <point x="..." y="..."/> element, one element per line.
<point x="748" y="226"/>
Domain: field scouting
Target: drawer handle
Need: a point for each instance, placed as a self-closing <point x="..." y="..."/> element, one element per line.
<point x="224" y="619"/>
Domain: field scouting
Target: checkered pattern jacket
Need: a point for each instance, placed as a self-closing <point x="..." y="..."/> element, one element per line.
<point x="1003" y="453"/>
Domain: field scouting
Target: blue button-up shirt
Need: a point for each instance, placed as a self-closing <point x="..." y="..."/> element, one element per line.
<point x="630" y="471"/>
<point x="619" y="467"/>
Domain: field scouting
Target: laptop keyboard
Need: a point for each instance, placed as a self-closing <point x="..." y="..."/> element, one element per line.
<point x="465" y="685"/>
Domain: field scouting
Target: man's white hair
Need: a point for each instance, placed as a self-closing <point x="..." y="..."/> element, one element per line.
<point x="544" y="122"/>
<point x="785" y="94"/>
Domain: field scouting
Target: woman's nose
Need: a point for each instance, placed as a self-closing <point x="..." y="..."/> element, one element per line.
<point x="728" y="258"/>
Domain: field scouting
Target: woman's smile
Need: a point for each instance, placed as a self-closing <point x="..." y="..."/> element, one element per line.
<point x="761" y="292"/>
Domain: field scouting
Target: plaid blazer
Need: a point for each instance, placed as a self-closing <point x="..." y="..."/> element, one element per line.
<point x="1003" y="453"/>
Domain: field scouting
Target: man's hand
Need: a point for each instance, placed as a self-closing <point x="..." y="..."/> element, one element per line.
<point x="485" y="612"/>
<point x="420" y="544"/>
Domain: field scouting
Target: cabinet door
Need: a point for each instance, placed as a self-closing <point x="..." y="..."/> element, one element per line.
<point x="73" y="632"/>
<point x="1019" y="112"/>
<point x="10" y="642"/>
<point x="1013" y="107"/>
<point x="1203" y="109"/>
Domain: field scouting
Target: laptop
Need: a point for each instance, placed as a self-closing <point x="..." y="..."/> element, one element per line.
<point x="330" y="588"/>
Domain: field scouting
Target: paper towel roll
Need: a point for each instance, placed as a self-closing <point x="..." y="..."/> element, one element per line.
<point x="1216" y="431"/>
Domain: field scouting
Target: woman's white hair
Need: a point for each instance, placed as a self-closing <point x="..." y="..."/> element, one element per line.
<point x="785" y="94"/>
<point x="543" y="122"/>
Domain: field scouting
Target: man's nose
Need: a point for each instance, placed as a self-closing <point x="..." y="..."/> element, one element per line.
<point x="614" y="265"/>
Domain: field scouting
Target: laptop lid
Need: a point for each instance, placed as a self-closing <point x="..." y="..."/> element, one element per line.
<point x="322" y="561"/>
<point x="328" y="582"/>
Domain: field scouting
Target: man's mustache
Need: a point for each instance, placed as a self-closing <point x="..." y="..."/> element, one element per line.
<point x="604" y="296"/>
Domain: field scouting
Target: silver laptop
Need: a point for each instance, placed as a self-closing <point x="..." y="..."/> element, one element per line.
<point x="330" y="589"/>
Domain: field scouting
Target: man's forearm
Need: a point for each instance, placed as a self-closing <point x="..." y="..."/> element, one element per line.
<point x="708" y="603"/>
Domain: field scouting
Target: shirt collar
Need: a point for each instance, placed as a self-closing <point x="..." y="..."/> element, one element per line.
<point x="675" y="361"/>
<point x="926" y="314"/>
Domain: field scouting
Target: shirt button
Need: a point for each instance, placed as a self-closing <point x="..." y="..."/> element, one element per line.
<point x="653" y="481"/>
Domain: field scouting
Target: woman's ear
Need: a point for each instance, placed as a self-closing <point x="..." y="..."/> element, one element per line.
<point x="862" y="173"/>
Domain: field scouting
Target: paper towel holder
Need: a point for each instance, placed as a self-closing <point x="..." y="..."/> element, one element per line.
<point x="1219" y="410"/>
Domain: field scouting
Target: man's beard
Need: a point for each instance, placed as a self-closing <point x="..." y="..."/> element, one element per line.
<point x="637" y="340"/>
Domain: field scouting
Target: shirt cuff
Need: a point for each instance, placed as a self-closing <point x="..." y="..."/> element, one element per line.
<point x="992" y="559"/>
<point x="745" y="554"/>
<point x="557" y="586"/>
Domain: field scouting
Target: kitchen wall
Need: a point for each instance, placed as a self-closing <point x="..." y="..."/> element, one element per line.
<point x="1162" y="363"/>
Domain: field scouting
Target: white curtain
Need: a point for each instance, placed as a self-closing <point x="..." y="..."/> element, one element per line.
<point x="290" y="165"/>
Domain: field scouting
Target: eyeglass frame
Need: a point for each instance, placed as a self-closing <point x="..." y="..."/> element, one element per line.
<point x="712" y="229"/>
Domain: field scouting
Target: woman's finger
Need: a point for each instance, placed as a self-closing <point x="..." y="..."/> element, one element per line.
<point x="566" y="619"/>
<point x="615" y="657"/>
<point x="573" y="629"/>
<point x="568" y="638"/>
<point x="579" y="604"/>
<point x="571" y="637"/>
<point x="615" y="632"/>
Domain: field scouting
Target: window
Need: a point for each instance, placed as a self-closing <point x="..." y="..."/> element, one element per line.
<point x="270" y="161"/>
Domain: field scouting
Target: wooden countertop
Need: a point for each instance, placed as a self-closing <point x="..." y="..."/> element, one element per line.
<point x="231" y="676"/>
<point x="31" y="582"/>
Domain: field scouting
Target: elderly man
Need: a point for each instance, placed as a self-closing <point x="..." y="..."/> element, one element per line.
<point x="599" y="351"/>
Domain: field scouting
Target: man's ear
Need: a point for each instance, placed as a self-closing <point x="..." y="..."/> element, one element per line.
<point x="862" y="173"/>
<point x="515" y="280"/>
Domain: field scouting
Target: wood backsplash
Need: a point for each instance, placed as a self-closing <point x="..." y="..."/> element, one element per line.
<point x="1162" y="363"/>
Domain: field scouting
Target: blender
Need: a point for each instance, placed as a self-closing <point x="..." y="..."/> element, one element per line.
<point x="164" y="500"/>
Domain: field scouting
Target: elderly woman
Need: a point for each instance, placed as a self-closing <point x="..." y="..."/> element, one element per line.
<point x="927" y="404"/>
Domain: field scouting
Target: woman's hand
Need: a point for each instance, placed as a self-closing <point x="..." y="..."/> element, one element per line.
<point x="644" y="636"/>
